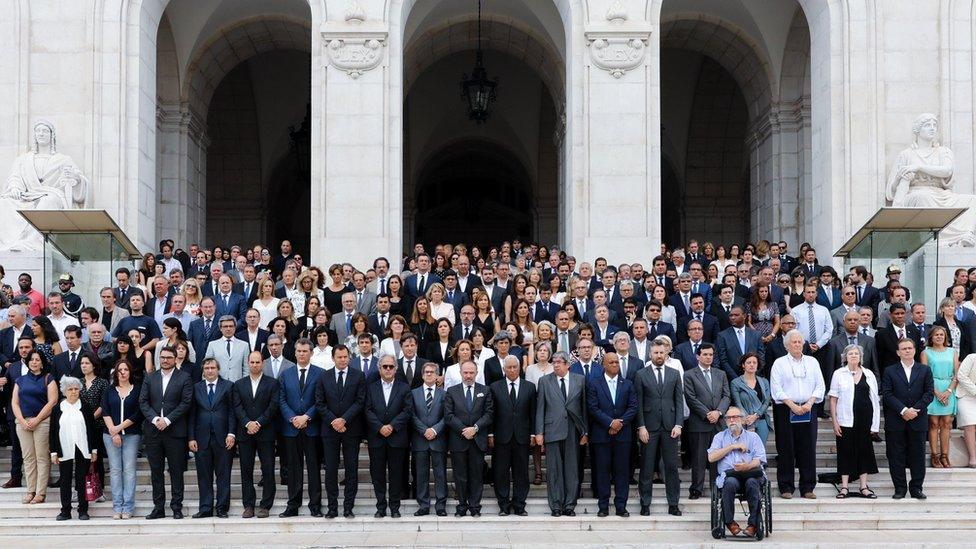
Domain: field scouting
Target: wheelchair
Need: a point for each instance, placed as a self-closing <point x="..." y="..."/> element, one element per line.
<point x="765" y="526"/>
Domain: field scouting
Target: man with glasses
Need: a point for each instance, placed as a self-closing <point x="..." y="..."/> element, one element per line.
<point x="797" y="388"/>
<point x="698" y="284"/>
<point x="389" y="414"/>
<point x="429" y="443"/>
<point x="848" y="298"/>
<point x="740" y="456"/>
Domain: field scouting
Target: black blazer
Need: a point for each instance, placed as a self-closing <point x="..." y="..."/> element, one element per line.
<point x="63" y="368"/>
<point x="348" y="405"/>
<point x="212" y="421"/>
<point x="433" y="354"/>
<point x="260" y="341"/>
<point x="129" y="292"/>
<point x="898" y="393"/>
<point x="513" y="423"/>
<point x="91" y="430"/>
<point x="458" y="417"/>
<point x="886" y="341"/>
<point x="398" y="414"/>
<point x="150" y="308"/>
<point x="494" y="371"/>
<point x="261" y="407"/>
<point x="175" y="403"/>
<point x="418" y="372"/>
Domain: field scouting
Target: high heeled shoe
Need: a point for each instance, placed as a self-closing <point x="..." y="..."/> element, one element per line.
<point x="38" y="499"/>
<point x="27" y="498"/>
<point x="936" y="461"/>
<point x="944" y="459"/>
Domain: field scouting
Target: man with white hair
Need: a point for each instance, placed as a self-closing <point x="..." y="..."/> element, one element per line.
<point x="17" y="316"/>
<point x="797" y="387"/>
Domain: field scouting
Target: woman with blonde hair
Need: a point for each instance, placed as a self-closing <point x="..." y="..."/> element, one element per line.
<point x="438" y="307"/>
<point x="944" y="363"/>
<point x="266" y="304"/>
<point x="191" y="291"/>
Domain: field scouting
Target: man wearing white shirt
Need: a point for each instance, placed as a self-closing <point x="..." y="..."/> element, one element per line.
<point x="57" y="316"/>
<point x="797" y="387"/>
<point x="178" y="311"/>
<point x="640" y="345"/>
<point x="814" y="323"/>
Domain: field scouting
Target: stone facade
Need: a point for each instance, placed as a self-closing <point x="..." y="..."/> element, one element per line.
<point x="828" y="88"/>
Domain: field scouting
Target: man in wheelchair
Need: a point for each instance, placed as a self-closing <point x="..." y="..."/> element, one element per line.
<point x="740" y="457"/>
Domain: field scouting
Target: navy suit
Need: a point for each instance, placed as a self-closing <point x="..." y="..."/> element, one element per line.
<point x="678" y="303"/>
<point x="685" y="353"/>
<point x="611" y="452"/>
<point x="301" y="446"/>
<point x="199" y="337"/>
<point x="212" y="420"/>
<point x="236" y="306"/>
<point x="728" y="351"/>
<point x="372" y="369"/>
<point x="549" y="309"/>
<point x="347" y="403"/>
<point x="704" y="289"/>
<point x="906" y="439"/>
<point x="834" y="295"/>
<point x="410" y="284"/>
<point x="260" y="341"/>
<point x="8" y="345"/>
<point x="388" y="454"/>
<point x="596" y="369"/>
<point x="459" y="300"/>
<point x="63" y="366"/>
<point x="709" y="323"/>
<point x="661" y="328"/>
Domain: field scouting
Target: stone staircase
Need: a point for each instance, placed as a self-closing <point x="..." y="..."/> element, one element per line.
<point x="951" y="506"/>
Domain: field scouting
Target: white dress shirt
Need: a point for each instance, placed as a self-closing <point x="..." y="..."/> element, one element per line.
<point x="612" y="385"/>
<point x="823" y="324"/>
<point x="387" y="391"/>
<point x="796" y="380"/>
<point x="254" y="385"/>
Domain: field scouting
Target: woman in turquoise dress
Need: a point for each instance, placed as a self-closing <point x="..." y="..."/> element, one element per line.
<point x="944" y="362"/>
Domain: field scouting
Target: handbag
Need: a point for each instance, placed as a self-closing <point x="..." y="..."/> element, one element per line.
<point x="743" y="476"/>
<point x="93" y="484"/>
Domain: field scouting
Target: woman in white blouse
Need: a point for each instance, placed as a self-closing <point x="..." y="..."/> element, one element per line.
<point x="463" y="351"/>
<point x="721" y="261"/>
<point x="855" y="407"/>
<point x="966" y="405"/>
<point x="395" y="330"/>
<point x="668" y="314"/>
<point x="322" y="353"/>
<point x="438" y="307"/>
<point x="74" y="445"/>
<point x="556" y="295"/>
<point x="266" y="304"/>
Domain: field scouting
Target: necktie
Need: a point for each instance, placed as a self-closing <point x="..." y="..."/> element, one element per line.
<point x="694" y="348"/>
<point x="901" y="333"/>
<point x="613" y="391"/>
<point x="581" y="306"/>
<point x="698" y="317"/>
<point x="708" y="379"/>
<point x="274" y="367"/>
<point x="653" y="330"/>
<point x="586" y="370"/>
<point x="660" y="378"/>
<point x="383" y="322"/>
<point x="226" y="301"/>
<point x="341" y="383"/>
<point x="430" y="398"/>
<point x="122" y="294"/>
<point x="959" y="312"/>
<point x="206" y="327"/>
<point x="409" y="370"/>
<point x="623" y="366"/>
<point x="470" y="398"/>
<point x="564" y="341"/>
<point x="228" y="347"/>
<point x="210" y="393"/>
<point x="348" y="322"/>
<point x="728" y="309"/>
<point x="562" y="388"/>
<point x="467" y="331"/>
<point x="813" y="323"/>
<point x="450" y="295"/>
<point x="72" y="359"/>
<point x="382" y="285"/>
<point x="301" y="380"/>
<point x="660" y="280"/>
<point x="864" y="330"/>
<point x="852" y="340"/>
<point x="359" y="297"/>
<point x="511" y="392"/>
<point x="742" y="339"/>
<point x="859" y="295"/>
<point x="420" y="283"/>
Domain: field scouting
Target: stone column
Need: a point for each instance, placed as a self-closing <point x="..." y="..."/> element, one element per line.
<point x="356" y="211"/>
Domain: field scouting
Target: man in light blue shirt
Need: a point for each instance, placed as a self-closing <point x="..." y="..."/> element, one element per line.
<point x="738" y="451"/>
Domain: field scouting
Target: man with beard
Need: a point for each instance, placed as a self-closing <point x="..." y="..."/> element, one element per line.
<point x="740" y="457"/>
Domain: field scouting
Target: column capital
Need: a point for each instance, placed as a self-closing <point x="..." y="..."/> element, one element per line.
<point x="355" y="46"/>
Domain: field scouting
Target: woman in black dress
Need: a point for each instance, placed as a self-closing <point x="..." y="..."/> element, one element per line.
<point x="856" y="411"/>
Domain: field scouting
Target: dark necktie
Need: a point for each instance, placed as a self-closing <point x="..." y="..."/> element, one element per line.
<point x="382" y="285"/>
<point x="71" y="361"/>
<point x="228" y="347"/>
<point x="511" y="392"/>
<point x="858" y="295"/>
<point x="694" y="348"/>
<point x="383" y="322"/>
<point x="430" y="398"/>
<point x="470" y="398"/>
<point x="122" y="295"/>
<point x="341" y="383"/>
<point x="301" y="380"/>
<point x="852" y="339"/>
<point x="562" y="388"/>
<point x="467" y="331"/>
<point x="420" y="284"/>
<point x="586" y="370"/>
<point x="450" y="296"/>
<point x="348" y="322"/>
<point x="226" y="301"/>
<point x="409" y="369"/>
<point x="206" y="327"/>
<point x="210" y="393"/>
<point x="660" y="377"/>
<point x="864" y="330"/>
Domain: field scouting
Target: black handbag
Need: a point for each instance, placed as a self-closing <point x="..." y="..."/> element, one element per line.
<point x="743" y="476"/>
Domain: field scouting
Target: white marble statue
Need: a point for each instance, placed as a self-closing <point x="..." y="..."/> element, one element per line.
<point x="922" y="178"/>
<point x="40" y="179"/>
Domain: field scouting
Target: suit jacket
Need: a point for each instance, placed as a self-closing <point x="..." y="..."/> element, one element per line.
<point x="898" y="393"/>
<point x="63" y="366"/>
<point x="233" y="365"/>
<point x="603" y="410"/>
<point x="837" y="316"/>
<point x="457" y="416"/>
<point x="236" y="307"/>
<point x="212" y="420"/>
<point x="704" y="289"/>
<point x="459" y="300"/>
<point x="285" y="364"/>
<point x="718" y="311"/>
<point x="106" y="352"/>
<point x="870" y="297"/>
<point x="410" y="284"/>
<point x="474" y="281"/>
<point x="662" y="328"/>
<point x="685" y="353"/>
<point x="174" y="404"/>
<point x="554" y="412"/>
<point x="293" y="401"/>
<point x="702" y="398"/>
<point x="8" y="345"/>
<point x="92" y="430"/>
<point x="418" y="372"/>
<point x="398" y="413"/>
<point x="659" y="406"/>
<point x="371" y="369"/>
<point x="261" y="407"/>
<point x="123" y="302"/>
<point x="199" y="337"/>
<point x="834" y="297"/>
<point x="548" y="309"/>
<point x="596" y="369"/>
<point x="497" y="297"/>
<point x="815" y="270"/>
<point x="835" y="351"/>
<point x="886" y="343"/>
<point x="367" y="305"/>
<point x="260" y="341"/>
<point x="150" y="308"/>
<point x="678" y="303"/>
<point x="729" y="353"/>
<point x="423" y="420"/>
<point x="338" y="325"/>
<point x="348" y="404"/>
<point x="709" y="323"/>
<point x="513" y="422"/>
<point x="433" y="353"/>
<point x="250" y="293"/>
<point x="117" y="315"/>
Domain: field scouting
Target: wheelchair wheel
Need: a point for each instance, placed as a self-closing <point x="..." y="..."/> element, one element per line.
<point x="759" y="532"/>
<point x="768" y="501"/>
<point x="718" y="532"/>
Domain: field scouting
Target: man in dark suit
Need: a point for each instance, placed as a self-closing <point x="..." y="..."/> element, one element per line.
<point x="298" y="402"/>
<point x="566" y="338"/>
<point x="709" y="322"/>
<point x="366" y="362"/>
<point x="249" y="286"/>
<point x="586" y="365"/>
<point x="124" y="291"/>
<point x="255" y="407"/>
<point x="229" y="303"/>
<point x="429" y="443"/>
<point x="68" y="363"/>
<point x="165" y="401"/>
<point x="810" y="266"/>
<point x="513" y="401"/>
<point x="866" y="294"/>
<point x="655" y="326"/>
<point x="827" y="294"/>
<point x="379" y="321"/>
<point x="204" y="329"/>
<point x="722" y="305"/>
<point x="735" y="341"/>
<point x="468" y="414"/>
<point x="417" y="284"/>
<point x="612" y="405"/>
<point x="255" y="336"/>
<point x="886" y="339"/>
<point x="212" y="434"/>
<point x="410" y="368"/>
<point x="850" y="336"/>
<point x="495" y="292"/>
<point x="465" y="325"/>
<point x="681" y="300"/>
<point x="907" y="390"/>
<point x="389" y="414"/>
<point x="659" y="269"/>
<point x="707" y="394"/>
<point x="612" y="291"/>
<point x="340" y="398"/>
<point x="660" y="411"/>
<point x="452" y="294"/>
<point x="545" y="307"/>
<point x="687" y="352"/>
<point x="9" y="336"/>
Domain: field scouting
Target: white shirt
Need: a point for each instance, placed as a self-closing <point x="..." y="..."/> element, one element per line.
<point x="508" y="385"/>
<point x="387" y="390"/>
<point x="823" y="324"/>
<point x="640" y="348"/>
<point x="60" y="323"/>
<point x="842" y="387"/>
<point x="796" y="380"/>
<point x="612" y="385"/>
<point x="254" y="385"/>
<point x="165" y="377"/>
<point x="322" y="358"/>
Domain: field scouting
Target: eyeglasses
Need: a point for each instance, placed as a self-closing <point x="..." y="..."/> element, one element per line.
<point x="733" y="417"/>
<point x="388" y="367"/>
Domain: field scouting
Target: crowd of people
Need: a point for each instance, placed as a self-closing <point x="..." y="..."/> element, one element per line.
<point x="516" y="352"/>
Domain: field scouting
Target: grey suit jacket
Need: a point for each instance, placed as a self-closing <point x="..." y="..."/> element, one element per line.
<point x="233" y="366"/>
<point x="659" y="407"/>
<point x="837" y="316"/>
<point x="368" y="304"/>
<point x="835" y="351"/>
<point x="423" y="420"/>
<point x="285" y="364"/>
<point x="338" y="325"/>
<point x="117" y="315"/>
<point x="554" y="415"/>
<point x="702" y="399"/>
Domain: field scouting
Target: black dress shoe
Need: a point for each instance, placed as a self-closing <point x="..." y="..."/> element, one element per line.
<point x="332" y="514"/>
<point x="200" y="514"/>
<point x="694" y="494"/>
<point x="569" y="513"/>
<point x="221" y="514"/>
<point x="460" y="513"/>
<point x="475" y="514"/>
<point x="623" y="513"/>
<point x="288" y="513"/>
<point x="348" y="514"/>
<point x="503" y="513"/>
<point x="379" y="514"/>
<point x="421" y="512"/>
<point x="156" y="514"/>
<point x="645" y="510"/>
<point x="317" y="513"/>
<point x="919" y="495"/>
<point x="63" y="516"/>
<point x="673" y="510"/>
<point x="178" y="514"/>
<point x="898" y="495"/>
<point x="557" y="513"/>
<point x="522" y="513"/>
<point x="394" y="514"/>
<point x="441" y="513"/>
<point x="83" y="516"/>
<point x="603" y="513"/>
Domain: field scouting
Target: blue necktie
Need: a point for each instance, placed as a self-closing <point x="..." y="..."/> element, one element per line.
<point x="470" y="398"/>
<point x="210" y="393"/>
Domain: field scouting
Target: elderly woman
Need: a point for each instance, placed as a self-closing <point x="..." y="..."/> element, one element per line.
<point x="438" y="307"/>
<point x="122" y="435"/>
<point x="35" y="395"/>
<point x="856" y="411"/>
<point x="74" y="445"/>
<point x="751" y="394"/>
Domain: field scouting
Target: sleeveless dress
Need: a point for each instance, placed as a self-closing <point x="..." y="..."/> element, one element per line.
<point x="941" y="363"/>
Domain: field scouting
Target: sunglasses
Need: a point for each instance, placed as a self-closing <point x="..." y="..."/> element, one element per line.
<point x="389" y="367"/>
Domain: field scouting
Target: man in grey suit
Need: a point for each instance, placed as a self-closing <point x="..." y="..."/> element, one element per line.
<point x="365" y="299"/>
<point x="707" y="395"/>
<point x="848" y="296"/>
<point x="229" y="351"/>
<point x="341" y="322"/>
<point x="851" y="336"/>
<point x="660" y="411"/>
<point x="276" y="364"/>
<point x="560" y="425"/>
<point x="429" y="443"/>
